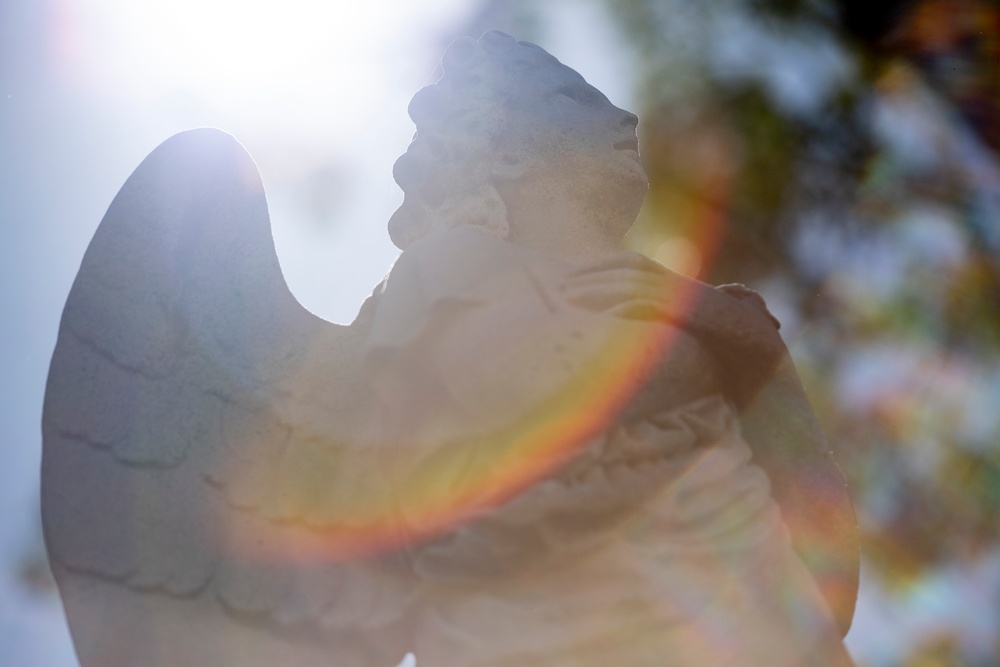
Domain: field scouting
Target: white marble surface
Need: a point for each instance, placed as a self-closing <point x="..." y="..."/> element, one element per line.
<point x="229" y="479"/>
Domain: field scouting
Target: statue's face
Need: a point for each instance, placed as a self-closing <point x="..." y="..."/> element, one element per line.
<point x="563" y="130"/>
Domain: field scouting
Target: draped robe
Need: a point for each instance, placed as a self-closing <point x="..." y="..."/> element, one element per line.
<point x="638" y="531"/>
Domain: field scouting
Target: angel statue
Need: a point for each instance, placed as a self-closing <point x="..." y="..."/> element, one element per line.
<point x="529" y="449"/>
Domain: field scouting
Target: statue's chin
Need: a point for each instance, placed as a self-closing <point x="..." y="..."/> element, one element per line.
<point x="630" y="193"/>
<point x="625" y="182"/>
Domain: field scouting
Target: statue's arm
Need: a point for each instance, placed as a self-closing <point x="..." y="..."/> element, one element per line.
<point x="788" y="442"/>
<point x="759" y="376"/>
<point x="785" y="435"/>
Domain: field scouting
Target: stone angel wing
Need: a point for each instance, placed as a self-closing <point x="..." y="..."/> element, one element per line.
<point x="205" y="498"/>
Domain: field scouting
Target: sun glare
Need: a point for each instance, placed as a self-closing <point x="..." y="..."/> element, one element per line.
<point x="251" y="59"/>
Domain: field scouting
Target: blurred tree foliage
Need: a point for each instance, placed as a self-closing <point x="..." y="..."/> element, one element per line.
<point x="749" y="120"/>
<point x="841" y="158"/>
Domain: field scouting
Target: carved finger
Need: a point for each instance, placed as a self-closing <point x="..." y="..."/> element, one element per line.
<point x="625" y="260"/>
<point x="608" y="298"/>
<point x="649" y="310"/>
<point x="624" y="277"/>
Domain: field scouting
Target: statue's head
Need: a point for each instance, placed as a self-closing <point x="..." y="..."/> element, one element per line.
<point x="505" y="110"/>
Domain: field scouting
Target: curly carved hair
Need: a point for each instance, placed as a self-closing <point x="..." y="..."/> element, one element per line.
<point x="447" y="171"/>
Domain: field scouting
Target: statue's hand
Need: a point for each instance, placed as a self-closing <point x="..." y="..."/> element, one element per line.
<point x="631" y="286"/>
<point x="731" y="321"/>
